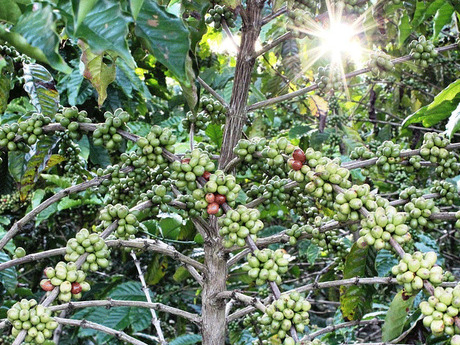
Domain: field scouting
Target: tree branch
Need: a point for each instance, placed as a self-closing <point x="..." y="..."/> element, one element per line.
<point x="313" y="87"/>
<point x="146" y="290"/>
<point x="333" y="328"/>
<point x="134" y="304"/>
<point x="273" y="44"/>
<point x="212" y="92"/>
<point x="88" y="324"/>
<point x="56" y="197"/>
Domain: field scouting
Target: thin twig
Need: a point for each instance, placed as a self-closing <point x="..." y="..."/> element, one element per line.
<point x="146" y="290"/>
<point x="213" y="92"/>
<point x="313" y="87"/>
<point x="88" y="324"/>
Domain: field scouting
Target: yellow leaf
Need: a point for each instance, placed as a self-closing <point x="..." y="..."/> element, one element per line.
<point x="317" y="105"/>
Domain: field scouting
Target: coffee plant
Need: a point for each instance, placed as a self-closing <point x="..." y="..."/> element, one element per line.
<point x="229" y="172"/>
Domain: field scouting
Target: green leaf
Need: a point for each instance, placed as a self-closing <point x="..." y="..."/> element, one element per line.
<point x="9" y="11"/>
<point x="156" y="269"/>
<point x="214" y="132"/>
<point x="425" y="10"/>
<point x="396" y="316"/>
<point x="66" y="203"/>
<point x="133" y="78"/>
<point x="38" y="28"/>
<point x="441" y="108"/>
<point x="443" y="17"/>
<point x="187" y="339"/>
<point x="181" y="274"/>
<point x="9" y="247"/>
<point x="105" y="29"/>
<point x="384" y="261"/>
<point x="299" y="131"/>
<point x="16" y="164"/>
<point x="454" y="122"/>
<point x="165" y="36"/>
<point x="8" y="277"/>
<point x="60" y="181"/>
<point x="312" y="253"/>
<point x="170" y="227"/>
<point x="5" y="87"/>
<point x="356" y="300"/>
<point x="135" y="6"/>
<point x="36" y="164"/>
<point x="39" y="84"/>
<point x="97" y="71"/>
<point x="404" y="29"/>
<point x="84" y="7"/>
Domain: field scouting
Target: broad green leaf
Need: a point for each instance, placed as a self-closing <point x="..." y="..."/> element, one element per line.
<point x="404" y="29"/>
<point x="441" y="108"/>
<point x="84" y="7"/>
<point x="133" y="78"/>
<point x="443" y="17"/>
<point x="5" y="86"/>
<point x="40" y="86"/>
<point x="384" y="261"/>
<point x="312" y="253"/>
<point x="396" y="316"/>
<point x="425" y="10"/>
<point x="36" y="164"/>
<point x="156" y="269"/>
<point x="187" y="339"/>
<point x="135" y="6"/>
<point x="16" y="164"/>
<point x="299" y="131"/>
<point x="38" y="28"/>
<point x="181" y="274"/>
<point x="9" y="11"/>
<point x="60" y="181"/>
<point x="194" y="11"/>
<point x="97" y="71"/>
<point x="165" y="36"/>
<point x="66" y="203"/>
<point x="9" y="247"/>
<point x="170" y="227"/>
<point x="214" y="132"/>
<point x="105" y="29"/>
<point x="454" y="122"/>
<point x="356" y="300"/>
<point x="8" y="277"/>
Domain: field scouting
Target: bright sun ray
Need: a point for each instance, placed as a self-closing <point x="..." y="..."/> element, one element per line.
<point x="339" y="39"/>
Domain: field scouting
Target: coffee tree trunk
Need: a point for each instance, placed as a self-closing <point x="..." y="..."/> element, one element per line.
<point x="213" y="313"/>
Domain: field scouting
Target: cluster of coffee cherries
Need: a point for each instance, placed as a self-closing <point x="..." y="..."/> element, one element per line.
<point x="361" y="152"/>
<point x="381" y="225"/>
<point x="441" y="309"/>
<point x="267" y="264"/>
<point x="328" y="78"/>
<point x="70" y="280"/>
<point x="212" y="111"/>
<point x="300" y="12"/>
<point x="106" y="133"/>
<point x="272" y="191"/>
<point x="275" y="150"/>
<point x="128" y="225"/>
<point x="434" y="150"/>
<point x="422" y="51"/>
<point x="419" y="211"/>
<point x="29" y="130"/>
<point x="380" y="64"/>
<point x="220" y="13"/>
<point x="446" y="190"/>
<point x="239" y="224"/>
<point x="94" y="245"/>
<point x="414" y="163"/>
<point x="152" y="145"/>
<point x="348" y="203"/>
<point x="192" y="166"/>
<point x="12" y="202"/>
<point x="287" y="311"/>
<point x="71" y="118"/>
<point x="410" y="193"/>
<point x="388" y="156"/>
<point x="246" y="149"/>
<point x="220" y="189"/>
<point x="413" y="269"/>
<point x="34" y="318"/>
